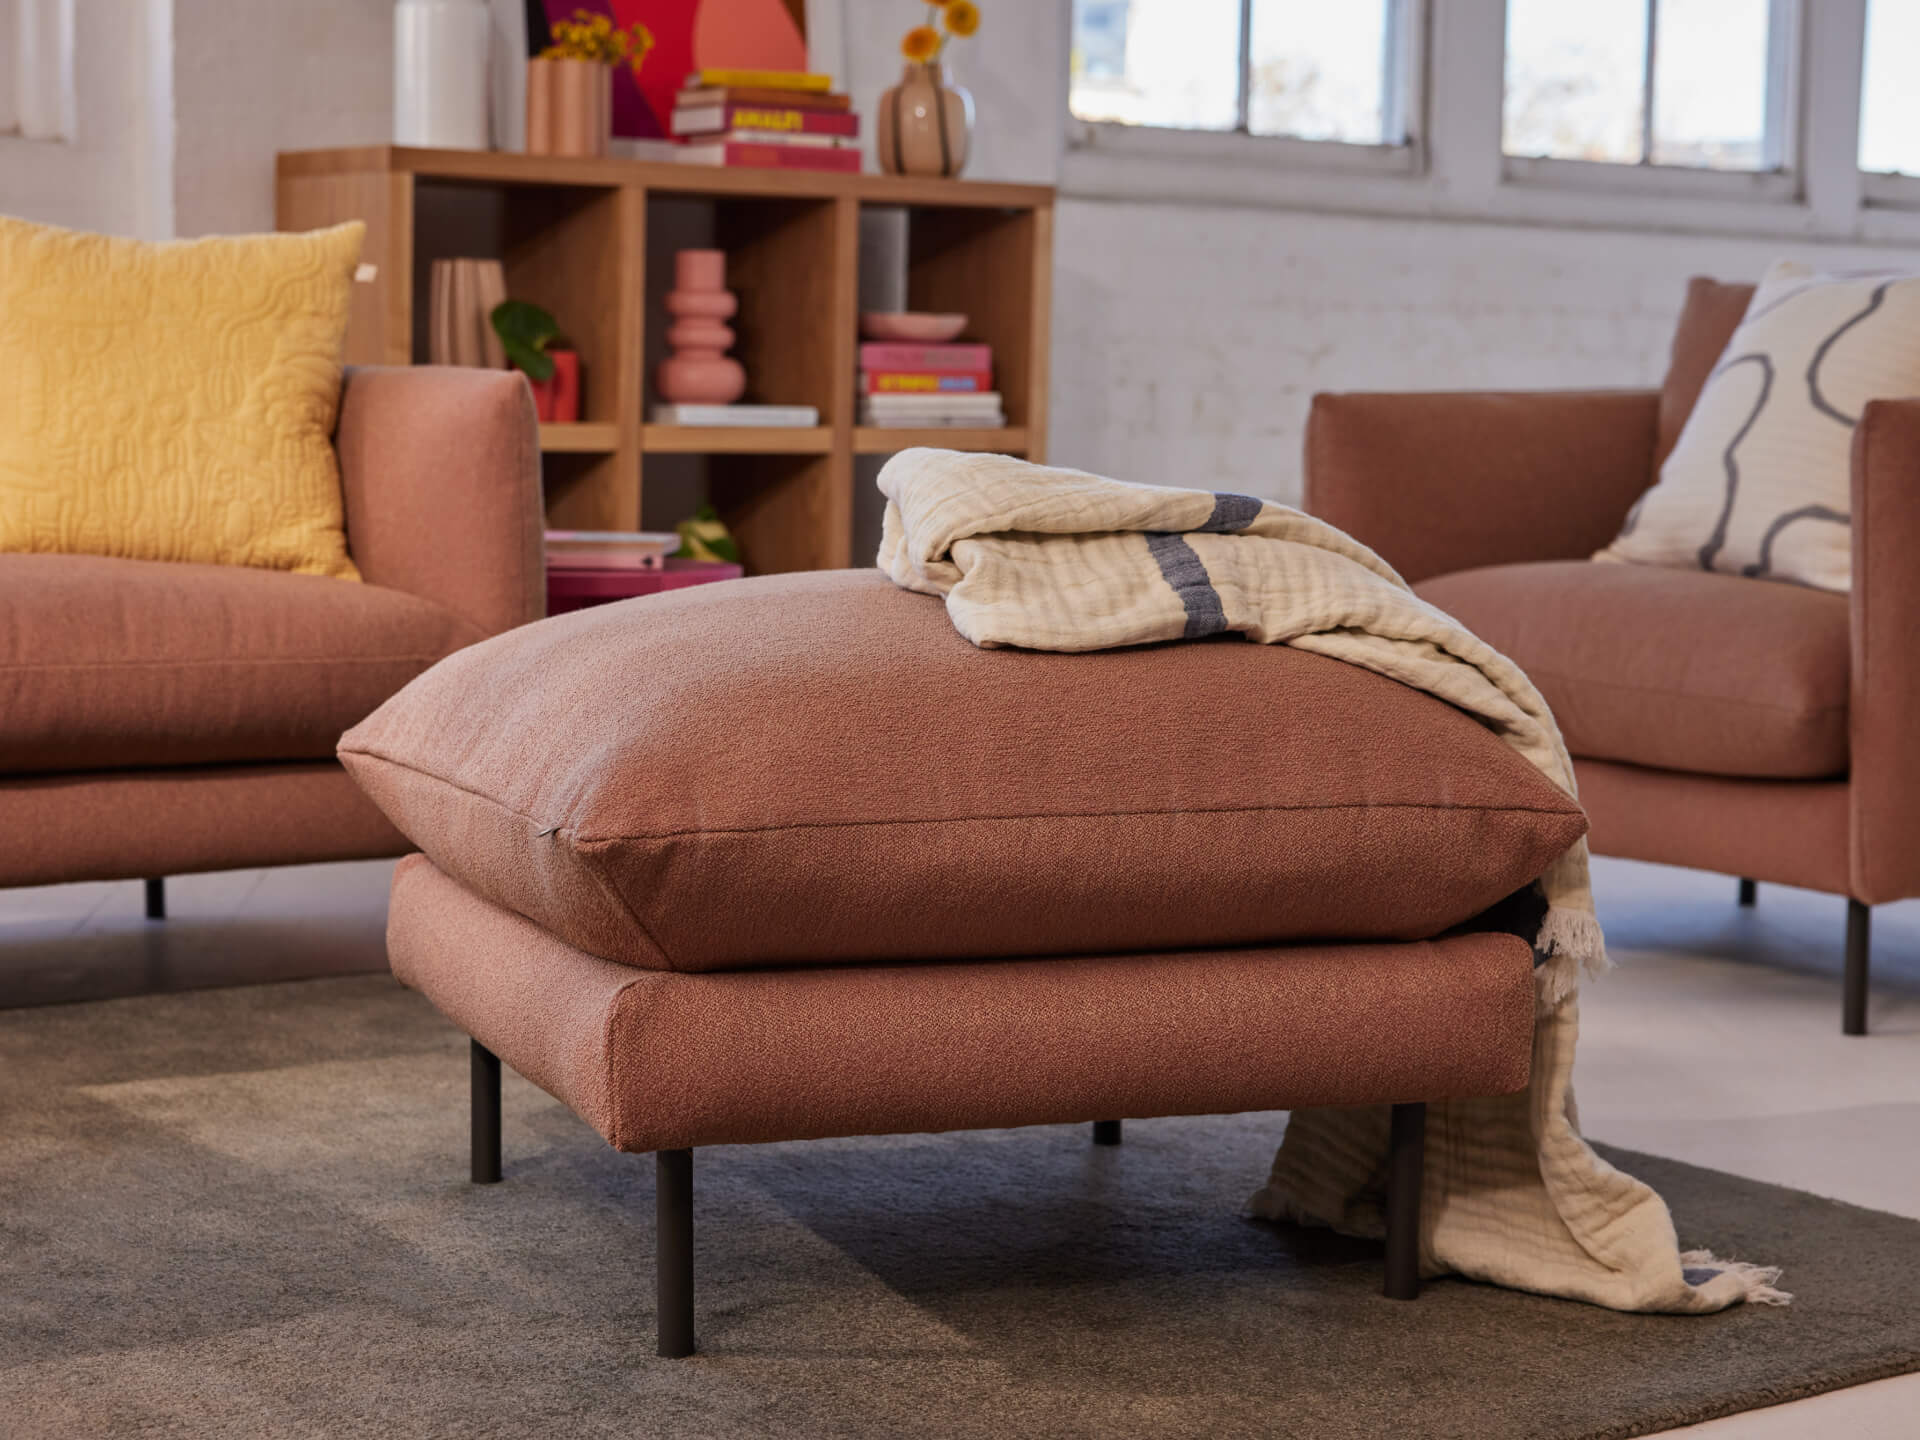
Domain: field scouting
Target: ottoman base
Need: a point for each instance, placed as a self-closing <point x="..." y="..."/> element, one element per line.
<point x="673" y="1204"/>
<point x="664" y="1062"/>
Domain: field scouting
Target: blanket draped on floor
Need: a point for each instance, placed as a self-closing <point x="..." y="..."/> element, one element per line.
<point x="1050" y="559"/>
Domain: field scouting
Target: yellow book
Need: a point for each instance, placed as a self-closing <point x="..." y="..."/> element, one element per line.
<point x="762" y="80"/>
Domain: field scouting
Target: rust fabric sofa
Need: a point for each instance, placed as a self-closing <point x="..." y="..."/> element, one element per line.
<point x="158" y="719"/>
<point x="1757" y="729"/>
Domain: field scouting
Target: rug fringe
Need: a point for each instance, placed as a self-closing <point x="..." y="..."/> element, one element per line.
<point x="1761" y="1281"/>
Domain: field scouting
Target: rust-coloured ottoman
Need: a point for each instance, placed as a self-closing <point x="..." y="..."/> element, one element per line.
<point x="787" y="858"/>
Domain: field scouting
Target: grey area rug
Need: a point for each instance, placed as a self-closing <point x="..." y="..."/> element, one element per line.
<point x="244" y="1213"/>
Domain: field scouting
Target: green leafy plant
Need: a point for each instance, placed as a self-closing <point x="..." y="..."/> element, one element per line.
<point x="527" y="332"/>
<point x="705" y="536"/>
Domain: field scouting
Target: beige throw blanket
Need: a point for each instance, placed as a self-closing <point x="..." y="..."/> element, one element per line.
<point x="1051" y="559"/>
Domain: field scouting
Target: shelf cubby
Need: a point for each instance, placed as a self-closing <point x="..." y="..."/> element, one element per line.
<point x="592" y="241"/>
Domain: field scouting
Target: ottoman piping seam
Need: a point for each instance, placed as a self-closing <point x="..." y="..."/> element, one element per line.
<point x="612" y="839"/>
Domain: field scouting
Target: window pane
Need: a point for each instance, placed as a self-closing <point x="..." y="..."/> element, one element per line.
<point x="1890" y="106"/>
<point x="1157" y="62"/>
<point x="1710" y="83"/>
<point x="1319" y="70"/>
<point x="1575" y="76"/>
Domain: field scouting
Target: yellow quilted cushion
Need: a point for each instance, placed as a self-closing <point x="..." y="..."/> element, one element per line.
<point x="174" y="402"/>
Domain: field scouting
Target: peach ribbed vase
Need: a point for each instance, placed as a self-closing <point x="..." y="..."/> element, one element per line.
<point x="925" y="124"/>
<point x="699" y="371"/>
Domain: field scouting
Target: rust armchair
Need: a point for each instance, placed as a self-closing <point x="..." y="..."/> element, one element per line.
<point x="1757" y="729"/>
<point x="160" y="719"/>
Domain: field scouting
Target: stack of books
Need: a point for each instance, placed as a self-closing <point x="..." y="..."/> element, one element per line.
<point x="772" y="119"/>
<point x="928" y="386"/>
<point x="609" y="549"/>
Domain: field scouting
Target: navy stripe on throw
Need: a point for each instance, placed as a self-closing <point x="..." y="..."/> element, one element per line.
<point x="1181" y="569"/>
<point x="1231" y="512"/>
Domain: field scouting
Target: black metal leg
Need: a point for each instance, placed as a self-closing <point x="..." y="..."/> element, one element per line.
<point x="486" y="1115"/>
<point x="157" y="899"/>
<point x="1405" y="1161"/>
<point x="1749" y="892"/>
<point x="673" y="1251"/>
<point x="1853" y="1006"/>
<point x="1106" y="1132"/>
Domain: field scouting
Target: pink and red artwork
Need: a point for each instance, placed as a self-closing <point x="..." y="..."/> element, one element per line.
<point x="688" y="35"/>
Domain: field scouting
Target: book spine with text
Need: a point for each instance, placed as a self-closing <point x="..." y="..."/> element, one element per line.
<point x="766" y="156"/>
<point x="917" y="382"/>
<point x="882" y="356"/>
<point x="760" y="80"/>
<point x="718" y="119"/>
<point x="808" y="100"/>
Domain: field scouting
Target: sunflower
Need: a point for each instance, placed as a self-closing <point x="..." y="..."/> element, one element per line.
<point x="961" y="17"/>
<point x="921" y="44"/>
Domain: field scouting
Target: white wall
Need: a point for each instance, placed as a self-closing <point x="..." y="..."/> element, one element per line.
<point x="254" y="77"/>
<point x="113" y="175"/>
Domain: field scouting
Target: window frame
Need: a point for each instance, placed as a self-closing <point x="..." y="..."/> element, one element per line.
<point x="1885" y="190"/>
<point x="1778" y="182"/>
<point x="1404" y="69"/>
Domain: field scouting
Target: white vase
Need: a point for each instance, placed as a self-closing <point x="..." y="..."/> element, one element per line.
<point x="440" y="78"/>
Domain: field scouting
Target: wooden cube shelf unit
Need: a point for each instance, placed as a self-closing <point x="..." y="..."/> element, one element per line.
<point x="573" y="235"/>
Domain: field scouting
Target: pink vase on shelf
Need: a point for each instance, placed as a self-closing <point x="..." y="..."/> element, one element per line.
<point x="700" y="372"/>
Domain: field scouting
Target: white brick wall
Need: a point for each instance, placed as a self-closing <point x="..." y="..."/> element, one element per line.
<point x="1188" y="343"/>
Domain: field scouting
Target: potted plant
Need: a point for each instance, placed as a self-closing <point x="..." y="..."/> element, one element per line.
<point x="570" y="83"/>
<point x="926" y="121"/>
<point x="535" y="347"/>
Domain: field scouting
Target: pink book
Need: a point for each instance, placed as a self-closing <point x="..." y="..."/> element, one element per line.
<point x="879" y="356"/>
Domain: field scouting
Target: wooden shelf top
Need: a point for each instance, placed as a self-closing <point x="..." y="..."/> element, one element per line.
<point x="581" y="438"/>
<point x="884" y="440"/>
<point x="512" y="168"/>
<point x="735" y="440"/>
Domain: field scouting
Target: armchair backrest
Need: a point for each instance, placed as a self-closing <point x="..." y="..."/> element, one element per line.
<point x="1712" y="313"/>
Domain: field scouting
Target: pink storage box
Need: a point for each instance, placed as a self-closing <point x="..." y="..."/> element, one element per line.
<point x="577" y="589"/>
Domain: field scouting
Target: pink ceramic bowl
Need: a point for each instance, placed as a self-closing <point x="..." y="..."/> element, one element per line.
<point x="912" y="327"/>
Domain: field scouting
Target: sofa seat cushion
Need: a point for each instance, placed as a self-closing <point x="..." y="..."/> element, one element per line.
<point x="817" y="768"/>
<point x="1678" y="669"/>
<point x="110" y="664"/>
<point x="658" y="1061"/>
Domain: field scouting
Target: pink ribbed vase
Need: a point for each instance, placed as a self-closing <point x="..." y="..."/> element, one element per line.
<point x="699" y="371"/>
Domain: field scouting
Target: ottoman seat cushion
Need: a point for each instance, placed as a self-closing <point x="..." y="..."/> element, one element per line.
<point x="660" y="1061"/>
<point x="816" y="768"/>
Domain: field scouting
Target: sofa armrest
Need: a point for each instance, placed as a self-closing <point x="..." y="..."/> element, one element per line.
<point x="1885" y="781"/>
<point x="440" y="467"/>
<point x="1449" y="481"/>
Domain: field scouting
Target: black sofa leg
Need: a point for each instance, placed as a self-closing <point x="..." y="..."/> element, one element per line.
<point x="1405" y="1162"/>
<point x="486" y="1115"/>
<point x="1853" y="1017"/>
<point x="673" y="1251"/>
<point x="1749" y="892"/>
<point x="157" y="899"/>
<point x="1106" y="1132"/>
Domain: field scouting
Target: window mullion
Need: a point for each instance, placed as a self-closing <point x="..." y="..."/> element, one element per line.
<point x="1243" y="114"/>
<point x="1646" y="83"/>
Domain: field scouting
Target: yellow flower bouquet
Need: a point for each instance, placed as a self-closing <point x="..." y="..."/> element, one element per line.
<point x="924" y="44"/>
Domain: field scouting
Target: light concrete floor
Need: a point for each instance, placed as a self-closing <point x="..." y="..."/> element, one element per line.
<point x="1716" y="1040"/>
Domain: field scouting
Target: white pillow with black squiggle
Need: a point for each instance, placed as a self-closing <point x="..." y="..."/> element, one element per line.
<point x="1759" y="482"/>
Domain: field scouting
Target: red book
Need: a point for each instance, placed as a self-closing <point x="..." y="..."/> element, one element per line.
<point x="773" y="157"/>
<point x="924" y="382"/>
<point x="880" y="356"/>
<point x="778" y="99"/>
<point x="757" y="119"/>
